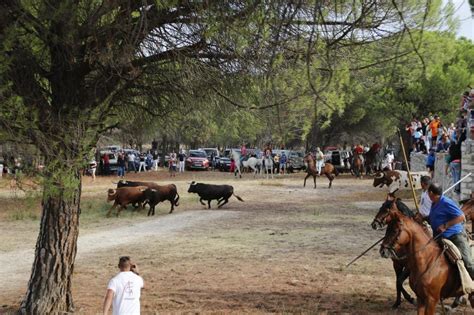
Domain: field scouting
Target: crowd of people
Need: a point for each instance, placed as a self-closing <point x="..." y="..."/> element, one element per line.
<point x="431" y="135"/>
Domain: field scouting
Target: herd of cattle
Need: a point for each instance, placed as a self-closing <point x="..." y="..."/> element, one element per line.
<point x="140" y="194"/>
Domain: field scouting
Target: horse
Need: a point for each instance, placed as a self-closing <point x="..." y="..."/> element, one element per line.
<point x="432" y="277"/>
<point x="267" y="162"/>
<point x="236" y="157"/>
<point x="328" y="169"/>
<point x="402" y="272"/>
<point x="373" y="160"/>
<point x="357" y="165"/>
<point x="468" y="209"/>
<point x="253" y="163"/>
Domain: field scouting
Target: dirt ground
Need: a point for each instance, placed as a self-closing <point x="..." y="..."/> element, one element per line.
<point x="282" y="250"/>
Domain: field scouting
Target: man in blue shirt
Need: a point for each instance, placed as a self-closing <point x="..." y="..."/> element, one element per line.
<point x="446" y="218"/>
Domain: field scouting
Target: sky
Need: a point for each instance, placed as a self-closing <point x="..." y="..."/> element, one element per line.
<point x="463" y="13"/>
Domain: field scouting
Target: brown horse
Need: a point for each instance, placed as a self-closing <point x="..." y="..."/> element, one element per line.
<point x="382" y="218"/>
<point x="329" y="170"/>
<point x="468" y="209"/>
<point x="432" y="277"/>
<point x="357" y="166"/>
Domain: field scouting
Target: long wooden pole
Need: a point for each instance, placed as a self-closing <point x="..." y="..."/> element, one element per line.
<point x="353" y="260"/>
<point x="408" y="170"/>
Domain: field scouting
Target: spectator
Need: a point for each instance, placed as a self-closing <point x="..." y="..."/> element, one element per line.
<point x="430" y="162"/>
<point x="213" y="160"/>
<point x="454" y="162"/>
<point x="93" y="167"/>
<point x="131" y="162"/>
<point x="155" y="160"/>
<point x="149" y="161"/>
<point x="181" y="159"/>
<point x="443" y="145"/>
<point x="121" y="165"/>
<point x="172" y="164"/>
<point x="452" y="133"/>
<point x="283" y="161"/>
<point x="142" y="163"/>
<point x="124" y="290"/>
<point x="276" y="161"/>
<point x="388" y="161"/>
<point x="106" y="164"/>
<point x="434" y="126"/>
<point x="461" y="125"/>
<point x="425" y="201"/>
<point x="243" y="152"/>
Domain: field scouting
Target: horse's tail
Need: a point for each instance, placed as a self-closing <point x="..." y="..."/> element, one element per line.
<point x="237" y="197"/>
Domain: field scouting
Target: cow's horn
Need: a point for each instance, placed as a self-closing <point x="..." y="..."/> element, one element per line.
<point x="379" y="175"/>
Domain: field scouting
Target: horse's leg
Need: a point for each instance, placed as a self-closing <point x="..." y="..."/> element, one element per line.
<point x="331" y="178"/>
<point x="307" y="175"/>
<point x="430" y="306"/>
<point x="314" y="180"/>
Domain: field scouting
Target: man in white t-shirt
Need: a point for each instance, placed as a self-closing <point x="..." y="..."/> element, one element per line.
<point x="123" y="290"/>
<point x="425" y="201"/>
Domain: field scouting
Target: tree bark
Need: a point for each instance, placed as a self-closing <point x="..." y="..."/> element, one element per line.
<point x="49" y="288"/>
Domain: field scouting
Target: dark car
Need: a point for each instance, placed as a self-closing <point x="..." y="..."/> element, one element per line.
<point x="197" y="159"/>
<point x="295" y="161"/>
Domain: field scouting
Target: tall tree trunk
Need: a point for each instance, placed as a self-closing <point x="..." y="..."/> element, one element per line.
<point x="49" y="288"/>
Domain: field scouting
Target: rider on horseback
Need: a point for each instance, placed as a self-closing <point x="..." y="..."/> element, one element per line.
<point x="448" y="220"/>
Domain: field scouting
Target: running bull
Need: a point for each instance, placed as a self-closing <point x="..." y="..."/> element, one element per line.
<point x="398" y="180"/>
<point x="208" y="192"/>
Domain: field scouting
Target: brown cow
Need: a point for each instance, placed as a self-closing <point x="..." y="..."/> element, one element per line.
<point x="124" y="196"/>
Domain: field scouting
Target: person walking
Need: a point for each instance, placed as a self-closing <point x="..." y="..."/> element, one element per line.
<point x="124" y="290"/>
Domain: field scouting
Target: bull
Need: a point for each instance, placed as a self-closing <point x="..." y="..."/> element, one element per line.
<point x="398" y="180"/>
<point x="124" y="196"/>
<point x="129" y="183"/>
<point x="158" y="194"/>
<point x="208" y="192"/>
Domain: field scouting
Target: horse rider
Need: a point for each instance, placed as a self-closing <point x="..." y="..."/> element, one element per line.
<point x="319" y="160"/>
<point x="447" y="219"/>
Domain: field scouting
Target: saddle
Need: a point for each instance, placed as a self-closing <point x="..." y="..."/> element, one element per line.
<point x="454" y="256"/>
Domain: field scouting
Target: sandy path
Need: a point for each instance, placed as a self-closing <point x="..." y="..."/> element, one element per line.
<point x="16" y="274"/>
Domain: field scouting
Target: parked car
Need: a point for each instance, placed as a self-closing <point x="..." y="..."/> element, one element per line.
<point x="212" y="152"/>
<point x="295" y="161"/>
<point x="338" y="158"/>
<point x="197" y="159"/>
<point x="113" y="163"/>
